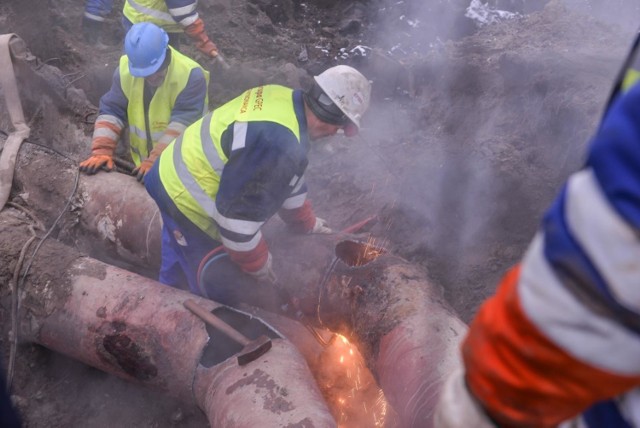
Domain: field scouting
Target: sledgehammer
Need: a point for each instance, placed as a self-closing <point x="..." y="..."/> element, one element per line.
<point x="252" y="349"/>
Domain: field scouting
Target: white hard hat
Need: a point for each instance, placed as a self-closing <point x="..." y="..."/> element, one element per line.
<point x="348" y="89"/>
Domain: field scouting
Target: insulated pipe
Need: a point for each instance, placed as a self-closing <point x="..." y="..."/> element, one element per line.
<point x="137" y="329"/>
<point x="276" y="391"/>
<point x="407" y="333"/>
<point x="116" y="217"/>
<point x="118" y="210"/>
<point x="416" y="355"/>
<point x="9" y="88"/>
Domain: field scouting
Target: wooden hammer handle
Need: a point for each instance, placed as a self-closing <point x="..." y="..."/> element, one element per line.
<point x="216" y="322"/>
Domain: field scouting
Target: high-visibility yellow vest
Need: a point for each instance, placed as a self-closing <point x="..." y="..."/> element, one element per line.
<point x="155" y="11"/>
<point x="161" y="104"/>
<point x="190" y="168"/>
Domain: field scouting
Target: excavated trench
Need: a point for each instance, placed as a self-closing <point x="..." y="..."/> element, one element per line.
<point x="387" y="336"/>
<point x="464" y="149"/>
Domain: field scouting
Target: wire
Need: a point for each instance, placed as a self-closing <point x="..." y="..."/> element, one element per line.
<point x="52" y="150"/>
<point x="6" y="134"/>
<point x="18" y="283"/>
<point x="28" y="213"/>
<point x="14" y="312"/>
<point x="55" y="223"/>
<point x="206" y="260"/>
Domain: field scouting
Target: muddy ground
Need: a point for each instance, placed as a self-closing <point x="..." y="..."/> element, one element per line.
<point x="471" y="133"/>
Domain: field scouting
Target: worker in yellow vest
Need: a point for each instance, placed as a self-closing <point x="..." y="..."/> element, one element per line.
<point x="173" y="16"/>
<point x="228" y="173"/>
<point x="157" y="91"/>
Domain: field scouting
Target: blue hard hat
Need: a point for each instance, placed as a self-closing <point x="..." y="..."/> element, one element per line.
<point x="146" y="47"/>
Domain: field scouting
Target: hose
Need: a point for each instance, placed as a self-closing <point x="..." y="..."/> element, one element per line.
<point x="12" y="98"/>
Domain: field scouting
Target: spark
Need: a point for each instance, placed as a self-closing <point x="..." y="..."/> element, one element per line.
<point x="356" y="398"/>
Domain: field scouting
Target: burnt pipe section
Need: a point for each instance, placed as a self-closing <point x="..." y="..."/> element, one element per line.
<point x="403" y="327"/>
<point x="360" y="299"/>
<point x="352" y="299"/>
<point x="122" y="350"/>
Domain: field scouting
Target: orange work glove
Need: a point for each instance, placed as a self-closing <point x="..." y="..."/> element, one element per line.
<point x="146" y="164"/>
<point x="198" y="34"/>
<point x="102" y="149"/>
<point x="96" y="162"/>
<point x="103" y="146"/>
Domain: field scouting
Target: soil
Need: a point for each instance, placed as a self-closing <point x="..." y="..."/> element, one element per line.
<point x="471" y="133"/>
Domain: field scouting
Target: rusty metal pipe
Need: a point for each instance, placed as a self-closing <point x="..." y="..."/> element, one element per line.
<point x="138" y="329"/>
<point x="407" y="333"/>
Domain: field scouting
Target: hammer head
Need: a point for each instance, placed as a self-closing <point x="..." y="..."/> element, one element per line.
<point x="254" y="350"/>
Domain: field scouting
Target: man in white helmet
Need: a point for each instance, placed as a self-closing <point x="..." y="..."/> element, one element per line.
<point x="228" y="173"/>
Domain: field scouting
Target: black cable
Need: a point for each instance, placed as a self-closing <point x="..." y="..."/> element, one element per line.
<point x="20" y="283"/>
<point x="55" y="223"/>
<point x="6" y="134"/>
<point x="49" y="149"/>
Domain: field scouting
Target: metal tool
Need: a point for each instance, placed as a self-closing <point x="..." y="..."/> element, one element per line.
<point x="252" y="349"/>
<point x="223" y="62"/>
<point x="357" y="227"/>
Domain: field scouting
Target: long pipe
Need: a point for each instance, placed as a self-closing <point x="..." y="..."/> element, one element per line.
<point x="137" y="329"/>
<point x="116" y="217"/>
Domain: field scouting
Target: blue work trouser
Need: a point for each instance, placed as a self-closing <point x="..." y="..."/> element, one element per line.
<point x="98" y="9"/>
<point x="184" y="245"/>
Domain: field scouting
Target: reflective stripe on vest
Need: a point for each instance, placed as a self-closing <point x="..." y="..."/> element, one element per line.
<point x="632" y="73"/>
<point x="155" y="11"/>
<point x="161" y="104"/>
<point x="191" y="167"/>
